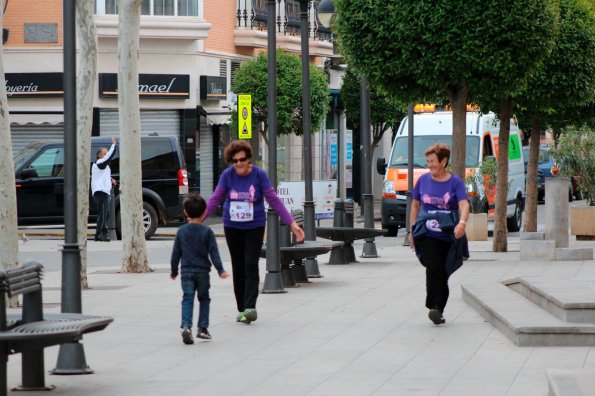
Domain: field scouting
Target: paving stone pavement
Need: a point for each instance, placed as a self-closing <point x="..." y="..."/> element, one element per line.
<point x="360" y="330"/>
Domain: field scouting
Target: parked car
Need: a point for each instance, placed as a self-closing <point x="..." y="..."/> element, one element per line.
<point x="39" y="178"/>
<point x="545" y="165"/>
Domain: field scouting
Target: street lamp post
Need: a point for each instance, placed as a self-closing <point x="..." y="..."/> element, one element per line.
<point x="273" y="283"/>
<point x="369" y="249"/>
<point x="410" y="148"/>
<point x="71" y="357"/>
<point x="327" y="14"/>
<point x="311" y="264"/>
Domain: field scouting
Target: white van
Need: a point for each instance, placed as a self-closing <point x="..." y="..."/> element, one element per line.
<point x="436" y="127"/>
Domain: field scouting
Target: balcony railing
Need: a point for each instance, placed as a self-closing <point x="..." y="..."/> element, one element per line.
<point x="252" y="15"/>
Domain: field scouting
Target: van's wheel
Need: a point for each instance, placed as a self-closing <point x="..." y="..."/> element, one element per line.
<point x="513" y="224"/>
<point x="392" y="232"/>
<point x="570" y="195"/>
<point x="579" y="195"/>
<point x="149" y="220"/>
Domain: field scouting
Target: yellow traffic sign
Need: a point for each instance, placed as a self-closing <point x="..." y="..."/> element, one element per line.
<point x="245" y="116"/>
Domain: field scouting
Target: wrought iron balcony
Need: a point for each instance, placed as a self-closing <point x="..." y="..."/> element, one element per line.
<point x="252" y="15"/>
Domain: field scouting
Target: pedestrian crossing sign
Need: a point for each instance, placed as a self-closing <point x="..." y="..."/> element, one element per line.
<point x="245" y="116"/>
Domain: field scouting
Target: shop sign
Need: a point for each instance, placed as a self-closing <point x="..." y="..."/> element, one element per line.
<point x="34" y="85"/>
<point x="158" y="86"/>
<point x="324" y="192"/>
<point x="213" y="88"/>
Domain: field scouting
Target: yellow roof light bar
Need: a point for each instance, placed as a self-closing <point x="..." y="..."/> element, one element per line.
<point x="424" y="108"/>
<point x="470" y="107"/>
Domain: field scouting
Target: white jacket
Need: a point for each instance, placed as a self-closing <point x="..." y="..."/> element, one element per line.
<point x="101" y="174"/>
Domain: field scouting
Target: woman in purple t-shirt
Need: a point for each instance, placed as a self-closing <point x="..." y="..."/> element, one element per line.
<point x="438" y="190"/>
<point x="244" y="186"/>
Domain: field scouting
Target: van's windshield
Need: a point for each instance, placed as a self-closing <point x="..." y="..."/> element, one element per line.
<point x="399" y="157"/>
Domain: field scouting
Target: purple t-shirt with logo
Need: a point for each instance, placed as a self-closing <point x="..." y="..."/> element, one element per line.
<point x="244" y="204"/>
<point x="439" y="195"/>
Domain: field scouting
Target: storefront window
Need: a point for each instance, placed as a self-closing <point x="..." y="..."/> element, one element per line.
<point x="152" y="7"/>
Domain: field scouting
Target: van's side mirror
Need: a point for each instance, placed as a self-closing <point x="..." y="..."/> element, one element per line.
<point x="381" y="165"/>
<point x="28" y="173"/>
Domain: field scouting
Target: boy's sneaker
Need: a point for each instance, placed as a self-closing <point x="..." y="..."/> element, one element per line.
<point x="248" y="316"/>
<point x="203" y="334"/>
<point x="187" y="336"/>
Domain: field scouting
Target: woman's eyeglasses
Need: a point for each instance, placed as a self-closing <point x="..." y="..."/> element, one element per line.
<point x="236" y="160"/>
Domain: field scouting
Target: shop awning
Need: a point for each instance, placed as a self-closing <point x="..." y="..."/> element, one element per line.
<point x="218" y="119"/>
<point x="36" y="119"/>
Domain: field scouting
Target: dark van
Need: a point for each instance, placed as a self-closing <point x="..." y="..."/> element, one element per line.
<point x="39" y="178"/>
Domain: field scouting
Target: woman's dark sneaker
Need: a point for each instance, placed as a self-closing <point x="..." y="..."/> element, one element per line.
<point x="203" y="334"/>
<point x="187" y="336"/>
<point x="435" y="316"/>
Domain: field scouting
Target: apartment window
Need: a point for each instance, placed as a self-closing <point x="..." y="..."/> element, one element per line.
<point x="152" y="7"/>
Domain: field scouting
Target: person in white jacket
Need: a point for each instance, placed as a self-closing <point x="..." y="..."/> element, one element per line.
<point x="101" y="186"/>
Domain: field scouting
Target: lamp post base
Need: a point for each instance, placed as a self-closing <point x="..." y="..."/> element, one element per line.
<point x="406" y="239"/>
<point x="71" y="360"/>
<point x="369" y="250"/>
<point x="273" y="283"/>
<point x="312" y="270"/>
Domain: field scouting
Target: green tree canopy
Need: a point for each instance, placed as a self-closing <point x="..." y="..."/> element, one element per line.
<point x="386" y="111"/>
<point x="565" y="80"/>
<point x="450" y="48"/>
<point x="252" y="78"/>
<point x="561" y="90"/>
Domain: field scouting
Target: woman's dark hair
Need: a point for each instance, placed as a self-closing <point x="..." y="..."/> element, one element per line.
<point x="194" y="205"/>
<point x="441" y="150"/>
<point x="235" y="147"/>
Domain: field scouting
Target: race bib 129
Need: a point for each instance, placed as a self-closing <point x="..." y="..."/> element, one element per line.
<point x="241" y="211"/>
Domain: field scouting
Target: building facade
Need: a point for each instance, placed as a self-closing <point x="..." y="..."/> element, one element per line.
<point x="189" y="51"/>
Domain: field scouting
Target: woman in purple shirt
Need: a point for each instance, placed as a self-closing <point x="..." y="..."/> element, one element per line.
<point x="244" y="186"/>
<point x="440" y="191"/>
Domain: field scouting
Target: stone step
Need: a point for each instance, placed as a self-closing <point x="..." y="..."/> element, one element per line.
<point x="532" y="236"/>
<point x="574" y="254"/>
<point x="571" y="300"/>
<point x="523" y="322"/>
<point x="578" y="382"/>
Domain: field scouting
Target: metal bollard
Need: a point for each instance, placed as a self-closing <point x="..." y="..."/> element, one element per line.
<point x="287" y="276"/>
<point x="339" y="213"/>
<point x="349" y="209"/>
<point x="111" y="228"/>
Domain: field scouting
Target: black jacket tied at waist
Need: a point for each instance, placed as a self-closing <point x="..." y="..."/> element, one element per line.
<point x="459" y="249"/>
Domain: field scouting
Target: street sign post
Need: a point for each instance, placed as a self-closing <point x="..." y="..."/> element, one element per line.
<point x="245" y="116"/>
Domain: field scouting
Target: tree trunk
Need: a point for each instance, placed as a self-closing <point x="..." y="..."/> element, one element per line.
<point x="531" y="182"/>
<point x="458" y="100"/>
<point x="85" y="91"/>
<point x="131" y="201"/>
<point x="500" y="241"/>
<point x="9" y="245"/>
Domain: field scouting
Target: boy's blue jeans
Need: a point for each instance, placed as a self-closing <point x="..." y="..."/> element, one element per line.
<point x="198" y="284"/>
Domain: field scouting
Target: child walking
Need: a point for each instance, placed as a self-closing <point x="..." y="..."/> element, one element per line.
<point x="194" y="244"/>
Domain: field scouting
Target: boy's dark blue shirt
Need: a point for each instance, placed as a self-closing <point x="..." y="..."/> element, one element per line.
<point x="193" y="246"/>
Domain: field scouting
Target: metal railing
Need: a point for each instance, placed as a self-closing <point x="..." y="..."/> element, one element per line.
<point x="252" y="15"/>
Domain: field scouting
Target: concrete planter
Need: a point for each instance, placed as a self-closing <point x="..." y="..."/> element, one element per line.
<point x="477" y="227"/>
<point x="582" y="222"/>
